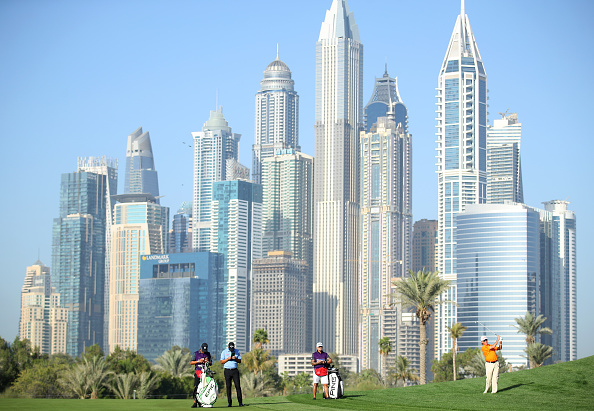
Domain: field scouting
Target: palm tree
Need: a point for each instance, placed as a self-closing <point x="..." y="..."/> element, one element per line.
<point x="175" y="362"/>
<point x="123" y="385"/>
<point x="74" y="380"/>
<point x="260" y="337"/>
<point x="97" y="374"/>
<point x="530" y="325"/>
<point x="421" y="291"/>
<point x="146" y="383"/>
<point x="476" y="365"/>
<point x="456" y="332"/>
<point x="258" y="360"/>
<point x="538" y="353"/>
<point x="402" y="372"/>
<point x="257" y="385"/>
<point x="385" y="348"/>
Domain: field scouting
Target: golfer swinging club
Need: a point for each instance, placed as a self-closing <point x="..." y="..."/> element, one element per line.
<point x="492" y="365"/>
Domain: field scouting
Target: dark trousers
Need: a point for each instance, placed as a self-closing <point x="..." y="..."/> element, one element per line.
<point x="233" y="374"/>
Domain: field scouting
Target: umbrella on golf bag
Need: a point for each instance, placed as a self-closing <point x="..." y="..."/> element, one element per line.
<point x="335" y="386"/>
<point x="208" y="389"/>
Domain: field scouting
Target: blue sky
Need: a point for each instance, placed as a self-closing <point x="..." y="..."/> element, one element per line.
<point x="77" y="77"/>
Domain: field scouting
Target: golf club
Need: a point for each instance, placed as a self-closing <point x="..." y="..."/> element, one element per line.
<point x="478" y="322"/>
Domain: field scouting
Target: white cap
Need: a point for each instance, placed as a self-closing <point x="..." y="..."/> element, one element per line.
<point x="319" y="345"/>
<point x="483" y="338"/>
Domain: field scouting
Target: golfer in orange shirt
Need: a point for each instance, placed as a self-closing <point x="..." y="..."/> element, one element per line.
<point x="492" y="365"/>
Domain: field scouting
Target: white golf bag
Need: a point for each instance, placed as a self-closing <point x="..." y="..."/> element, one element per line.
<point x="208" y="389"/>
<point x="335" y="386"/>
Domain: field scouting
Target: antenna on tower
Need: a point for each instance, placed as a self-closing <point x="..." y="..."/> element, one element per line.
<point x="277" y="51"/>
<point x="462" y="9"/>
<point x="217" y="104"/>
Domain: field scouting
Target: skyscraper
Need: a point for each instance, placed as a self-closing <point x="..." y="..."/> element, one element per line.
<point x="180" y="235"/>
<point x="386" y="229"/>
<point x="277" y="116"/>
<point x="424" y="245"/>
<point x="385" y="98"/>
<point x="78" y="249"/>
<point x="461" y="153"/>
<point x="236" y="233"/>
<point x="559" y="278"/>
<point x="213" y="147"/>
<point x="43" y="321"/>
<point x="498" y="272"/>
<point x="141" y="175"/>
<point x="140" y="227"/>
<point x="504" y="168"/>
<point x="338" y="118"/>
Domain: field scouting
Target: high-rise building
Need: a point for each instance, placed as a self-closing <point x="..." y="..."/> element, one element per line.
<point x="498" y="272"/>
<point x="279" y="297"/>
<point x="338" y="120"/>
<point x="214" y="146"/>
<point x="461" y="154"/>
<point x="78" y="249"/>
<point x="178" y="303"/>
<point x="424" y="245"/>
<point x="386" y="229"/>
<point x="287" y="214"/>
<point x="236" y="233"/>
<point x="141" y="175"/>
<point x="43" y="321"/>
<point x="180" y="234"/>
<point x="558" y="297"/>
<point x="504" y="169"/>
<point x="277" y="116"/>
<point x="140" y="227"/>
<point x="384" y="99"/>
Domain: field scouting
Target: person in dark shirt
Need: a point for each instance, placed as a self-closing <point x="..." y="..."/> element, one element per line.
<point x="201" y="357"/>
<point x="320" y="361"/>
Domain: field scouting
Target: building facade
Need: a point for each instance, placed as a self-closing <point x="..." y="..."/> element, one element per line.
<point x="214" y="146"/>
<point x="43" y="321"/>
<point x="140" y="227"/>
<point x="558" y="295"/>
<point x="79" y="249"/>
<point x="141" y="175"/>
<point x="424" y="245"/>
<point x="180" y="234"/>
<point x="178" y="304"/>
<point x="461" y="154"/>
<point x="338" y="120"/>
<point x="386" y="99"/>
<point x="504" y="168"/>
<point x="386" y="230"/>
<point x="498" y="273"/>
<point x="279" y="297"/>
<point x="277" y="116"/>
<point x="236" y="233"/>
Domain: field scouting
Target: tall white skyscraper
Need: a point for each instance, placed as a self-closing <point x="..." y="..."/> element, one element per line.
<point x="461" y="154"/>
<point x="277" y="116"/>
<point x="504" y="168"/>
<point x="386" y="228"/>
<point x="214" y="146"/>
<point x="338" y="118"/>
<point x="558" y="297"/>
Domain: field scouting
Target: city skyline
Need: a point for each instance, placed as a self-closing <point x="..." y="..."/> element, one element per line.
<point x="59" y="83"/>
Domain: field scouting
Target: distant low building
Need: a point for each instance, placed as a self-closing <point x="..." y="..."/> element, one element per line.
<point x="295" y="364"/>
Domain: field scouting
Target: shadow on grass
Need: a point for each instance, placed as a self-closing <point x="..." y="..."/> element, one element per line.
<point x="270" y="403"/>
<point x="511" y="387"/>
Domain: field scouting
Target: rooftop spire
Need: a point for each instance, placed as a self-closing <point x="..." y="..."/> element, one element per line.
<point x="277" y="51"/>
<point x="462" y="9"/>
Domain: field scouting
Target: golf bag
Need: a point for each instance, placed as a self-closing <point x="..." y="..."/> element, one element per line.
<point x="335" y="386"/>
<point x="208" y="389"/>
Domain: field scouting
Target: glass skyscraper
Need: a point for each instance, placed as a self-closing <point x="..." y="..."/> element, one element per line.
<point x="277" y="116"/>
<point x="178" y="303"/>
<point x="385" y="98"/>
<point x="180" y="235"/>
<point x="559" y="278"/>
<point x="214" y="147"/>
<point x="498" y="274"/>
<point x="386" y="229"/>
<point x="338" y="121"/>
<point x="141" y="175"/>
<point x="236" y="233"/>
<point x="504" y="168"/>
<point x="461" y="154"/>
<point x="78" y="249"/>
